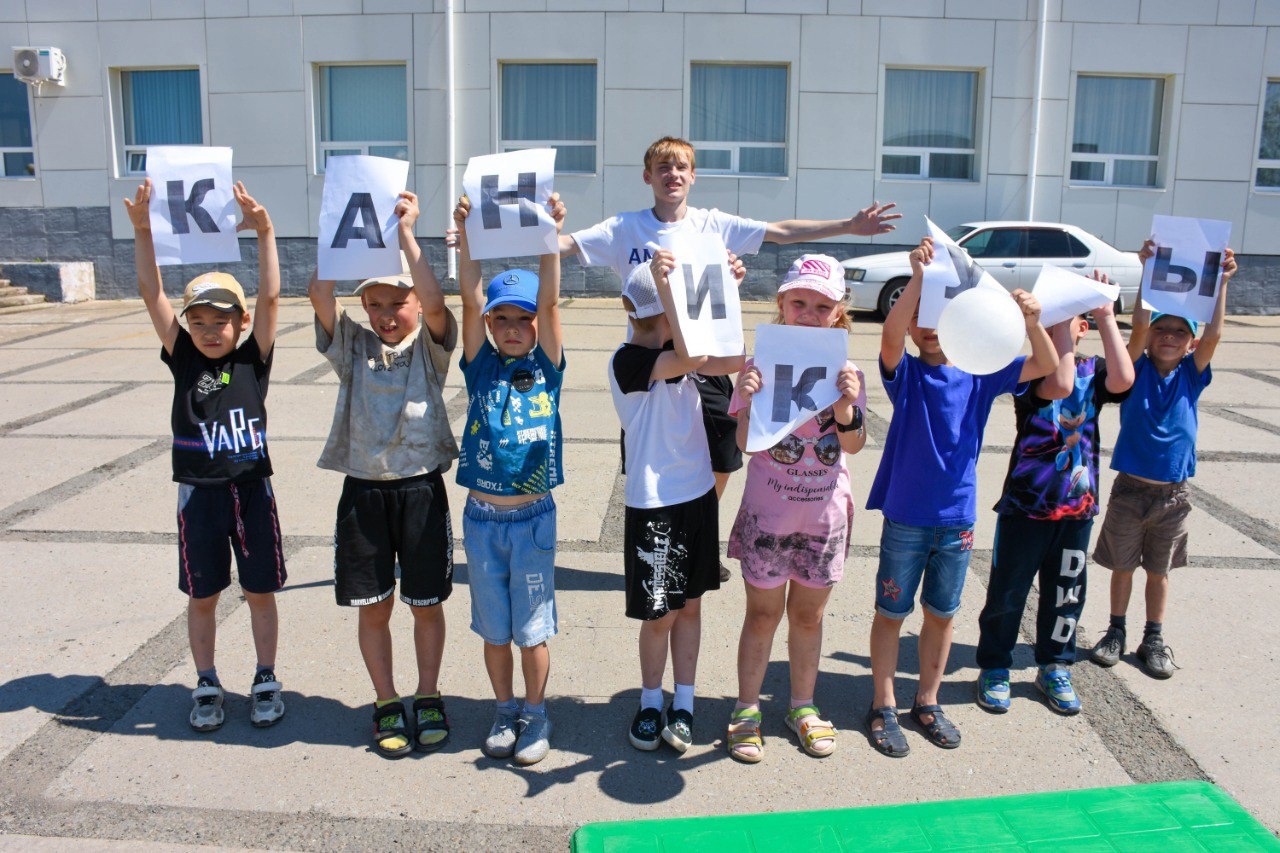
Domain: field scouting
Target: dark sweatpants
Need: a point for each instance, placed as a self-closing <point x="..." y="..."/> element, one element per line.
<point x="1024" y="548"/>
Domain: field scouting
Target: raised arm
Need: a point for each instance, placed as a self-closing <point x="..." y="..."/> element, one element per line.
<point x="566" y="245"/>
<point x="469" y="284"/>
<point x="150" y="287"/>
<point x="1141" y="320"/>
<point x="323" y="302"/>
<point x="425" y="283"/>
<point x="1119" y="365"/>
<point x="266" y="309"/>
<point x="1058" y="384"/>
<point x="549" y="333"/>
<point x="868" y="222"/>
<point x="1044" y="358"/>
<point x="893" y="334"/>
<point x="1213" y="332"/>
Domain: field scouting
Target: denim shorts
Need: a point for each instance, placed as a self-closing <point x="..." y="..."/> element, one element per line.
<point x="909" y="554"/>
<point x="509" y="605"/>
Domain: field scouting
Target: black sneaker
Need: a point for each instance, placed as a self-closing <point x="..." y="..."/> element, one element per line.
<point x="644" y="729"/>
<point x="724" y="573"/>
<point x="679" y="729"/>
<point x="1156" y="658"/>
<point x="1108" y="650"/>
<point x="265" y="706"/>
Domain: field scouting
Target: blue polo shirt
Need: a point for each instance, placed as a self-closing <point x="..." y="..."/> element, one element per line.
<point x="1159" y="422"/>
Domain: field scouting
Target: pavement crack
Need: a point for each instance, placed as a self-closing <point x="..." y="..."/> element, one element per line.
<point x="74" y="405"/>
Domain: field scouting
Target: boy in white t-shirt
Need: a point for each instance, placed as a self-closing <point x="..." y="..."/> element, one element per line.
<point x="671" y="549"/>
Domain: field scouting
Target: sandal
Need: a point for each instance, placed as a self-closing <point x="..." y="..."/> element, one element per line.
<point x="889" y="740"/>
<point x="941" y="731"/>
<point x="428" y="714"/>
<point x="390" y="734"/>
<point x="743" y="737"/>
<point x="806" y="721"/>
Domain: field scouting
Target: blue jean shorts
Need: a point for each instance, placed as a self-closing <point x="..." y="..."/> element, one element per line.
<point x="511" y="560"/>
<point x="909" y="554"/>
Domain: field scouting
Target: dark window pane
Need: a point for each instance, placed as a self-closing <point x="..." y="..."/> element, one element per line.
<point x="575" y="158"/>
<point x="1134" y="173"/>
<point x="19" y="165"/>
<point x="900" y="164"/>
<point x="1047" y="243"/>
<point x="1118" y="115"/>
<point x="363" y="102"/>
<point x="715" y="158"/>
<point x="1269" y="177"/>
<point x="951" y="166"/>
<point x="762" y="161"/>
<point x="549" y="101"/>
<point x="738" y="103"/>
<point x="1269" y="147"/>
<point x="394" y="152"/>
<point x="929" y="109"/>
<point x="161" y="107"/>
<point x="1088" y="171"/>
<point x="15" y="117"/>
<point x="1077" y="249"/>
<point x="995" y="243"/>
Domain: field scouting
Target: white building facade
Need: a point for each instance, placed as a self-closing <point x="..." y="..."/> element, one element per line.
<point x="1119" y="109"/>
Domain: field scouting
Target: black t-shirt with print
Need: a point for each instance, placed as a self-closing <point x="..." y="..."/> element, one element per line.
<point x="219" y="418"/>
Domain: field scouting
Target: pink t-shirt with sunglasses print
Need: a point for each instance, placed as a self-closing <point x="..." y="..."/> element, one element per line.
<point x="797" y="507"/>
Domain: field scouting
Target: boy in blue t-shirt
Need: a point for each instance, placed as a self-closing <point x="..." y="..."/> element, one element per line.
<point x="1046" y="512"/>
<point x="1155" y="455"/>
<point x="926" y="487"/>
<point x="510" y="460"/>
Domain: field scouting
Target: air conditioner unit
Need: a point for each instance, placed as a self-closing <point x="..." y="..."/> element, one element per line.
<point x="36" y="65"/>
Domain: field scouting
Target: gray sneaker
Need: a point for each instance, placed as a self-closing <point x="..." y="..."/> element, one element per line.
<point x="501" y="741"/>
<point x="1108" y="650"/>
<point x="535" y="738"/>
<point x="1156" y="658"/>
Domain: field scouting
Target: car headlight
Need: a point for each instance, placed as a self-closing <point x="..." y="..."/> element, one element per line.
<point x="854" y="274"/>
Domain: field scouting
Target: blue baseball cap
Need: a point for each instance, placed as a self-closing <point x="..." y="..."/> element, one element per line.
<point x="1191" y="324"/>
<point x="514" y="287"/>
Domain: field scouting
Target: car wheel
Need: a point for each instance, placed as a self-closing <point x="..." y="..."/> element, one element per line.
<point x="1119" y="306"/>
<point x="889" y="295"/>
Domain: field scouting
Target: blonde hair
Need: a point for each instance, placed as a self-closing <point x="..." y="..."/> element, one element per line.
<point x="842" y="315"/>
<point x="669" y="148"/>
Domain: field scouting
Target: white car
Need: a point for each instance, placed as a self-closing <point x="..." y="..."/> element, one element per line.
<point x="1012" y="252"/>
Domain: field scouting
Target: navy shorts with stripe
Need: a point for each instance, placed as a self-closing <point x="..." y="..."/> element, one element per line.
<point x="214" y="522"/>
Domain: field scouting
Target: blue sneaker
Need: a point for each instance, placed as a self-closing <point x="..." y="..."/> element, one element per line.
<point x="1054" y="681"/>
<point x="993" y="690"/>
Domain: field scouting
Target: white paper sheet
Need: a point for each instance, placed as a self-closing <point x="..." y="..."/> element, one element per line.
<point x="950" y="272"/>
<point x="798" y="369"/>
<point x="509" y="194"/>
<point x="1065" y="294"/>
<point x="193" y="209"/>
<point x="705" y="295"/>
<point x="358" y="225"/>
<point x="1184" y="276"/>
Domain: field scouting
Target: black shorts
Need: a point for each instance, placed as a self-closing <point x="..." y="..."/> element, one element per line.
<point x="214" y="521"/>
<point x="382" y="521"/>
<point x="722" y="427"/>
<point x="669" y="555"/>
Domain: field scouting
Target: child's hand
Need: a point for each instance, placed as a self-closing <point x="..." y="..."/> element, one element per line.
<point x="1029" y="305"/>
<point x="921" y="256"/>
<point x="457" y="235"/>
<point x="737" y="269"/>
<point x="556" y="206"/>
<point x="407" y="210"/>
<point x="1228" y="264"/>
<point x="252" y="214"/>
<point x="661" y="266"/>
<point x="140" y="208"/>
<point x="749" y="382"/>
<point x="848" y="383"/>
<point x="1148" y="250"/>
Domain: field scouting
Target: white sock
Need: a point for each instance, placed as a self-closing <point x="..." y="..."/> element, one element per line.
<point x="651" y="698"/>
<point x="684" y="698"/>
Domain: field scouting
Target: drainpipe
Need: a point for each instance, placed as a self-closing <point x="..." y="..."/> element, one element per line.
<point x="450" y="120"/>
<point x="1033" y="155"/>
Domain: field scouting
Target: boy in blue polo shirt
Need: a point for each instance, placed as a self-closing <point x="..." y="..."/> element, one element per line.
<point x="510" y="461"/>
<point x="1155" y="455"/>
<point x="927" y="488"/>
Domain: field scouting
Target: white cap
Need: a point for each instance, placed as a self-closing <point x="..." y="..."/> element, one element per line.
<point x="821" y="273"/>
<point x="640" y="290"/>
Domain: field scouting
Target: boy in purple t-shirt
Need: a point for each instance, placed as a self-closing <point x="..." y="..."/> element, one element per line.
<point x="1155" y="455"/>
<point x="927" y="488"/>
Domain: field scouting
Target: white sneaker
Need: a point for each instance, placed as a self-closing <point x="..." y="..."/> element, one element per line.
<point x="207" y="714"/>
<point x="265" y="705"/>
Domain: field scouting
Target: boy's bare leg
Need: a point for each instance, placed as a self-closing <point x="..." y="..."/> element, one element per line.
<point x="1157" y="595"/>
<point x="265" y="623"/>
<point x="884" y="662"/>
<point x="499" y="664"/>
<point x="764" y="611"/>
<point x="375" y="647"/>
<point x="686" y="640"/>
<point x="428" y="642"/>
<point x="535" y="663"/>
<point x="202" y="630"/>
<point x="805" y="607"/>
<point x="654" y="639"/>
<point x="1121" y="590"/>
<point x="935" y="646"/>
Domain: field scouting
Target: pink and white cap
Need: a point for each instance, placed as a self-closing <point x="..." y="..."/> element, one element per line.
<point x="821" y="273"/>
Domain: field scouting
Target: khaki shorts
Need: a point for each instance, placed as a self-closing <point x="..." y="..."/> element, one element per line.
<point x="1145" y="525"/>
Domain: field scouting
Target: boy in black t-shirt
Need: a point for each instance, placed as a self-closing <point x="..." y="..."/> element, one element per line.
<point x="220" y="457"/>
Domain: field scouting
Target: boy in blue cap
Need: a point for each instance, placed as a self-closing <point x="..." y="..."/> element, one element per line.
<point x="510" y="460"/>
<point x="1155" y="455"/>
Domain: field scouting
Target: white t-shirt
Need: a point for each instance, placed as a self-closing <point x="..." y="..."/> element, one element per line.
<point x="629" y="239"/>
<point x="666" y="444"/>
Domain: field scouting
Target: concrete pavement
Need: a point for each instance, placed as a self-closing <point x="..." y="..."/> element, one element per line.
<point x="95" y="672"/>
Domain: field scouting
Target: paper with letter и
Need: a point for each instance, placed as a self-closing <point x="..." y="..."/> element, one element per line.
<point x="705" y="295"/>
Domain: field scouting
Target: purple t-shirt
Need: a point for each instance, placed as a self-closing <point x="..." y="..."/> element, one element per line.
<point x="928" y="474"/>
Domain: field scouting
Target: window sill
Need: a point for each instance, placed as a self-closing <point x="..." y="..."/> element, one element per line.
<point x="1125" y="187"/>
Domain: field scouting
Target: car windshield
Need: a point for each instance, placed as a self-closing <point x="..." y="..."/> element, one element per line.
<point x="957" y="231"/>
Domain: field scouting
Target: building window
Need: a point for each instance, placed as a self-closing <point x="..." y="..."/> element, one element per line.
<point x="1268" y="172"/>
<point x="738" y="118"/>
<point x="551" y="105"/>
<point x="15" y="129"/>
<point x="362" y="109"/>
<point x="930" y="124"/>
<point x="159" y="108"/>
<point x="1116" y="141"/>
